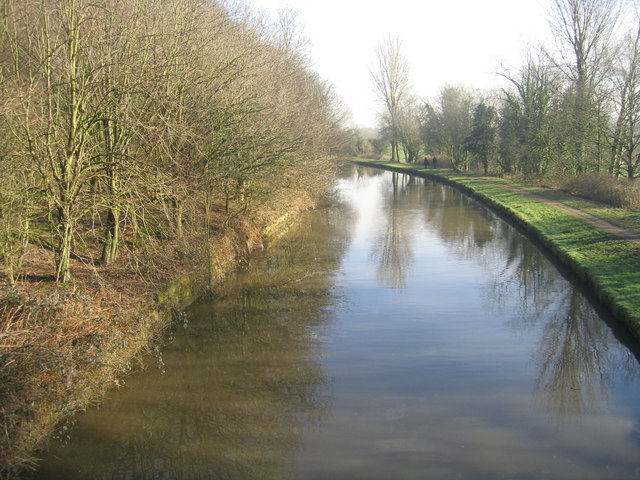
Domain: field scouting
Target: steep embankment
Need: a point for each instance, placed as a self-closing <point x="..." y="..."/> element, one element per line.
<point x="604" y="252"/>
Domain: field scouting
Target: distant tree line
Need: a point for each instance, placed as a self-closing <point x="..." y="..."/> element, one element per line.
<point x="572" y="109"/>
<point x="138" y="118"/>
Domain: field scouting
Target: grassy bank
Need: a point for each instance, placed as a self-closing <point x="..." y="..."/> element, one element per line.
<point x="62" y="346"/>
<point x="609" y="265"/>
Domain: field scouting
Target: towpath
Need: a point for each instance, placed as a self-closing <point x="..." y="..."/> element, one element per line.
<point x="615" y="230"/>
<point x="609" y="227"/>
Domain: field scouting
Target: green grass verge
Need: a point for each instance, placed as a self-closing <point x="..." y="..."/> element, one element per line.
<point x="611" y="267"/>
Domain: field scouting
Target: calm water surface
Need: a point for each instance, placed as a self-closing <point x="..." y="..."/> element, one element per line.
<point x="402" y="331"/>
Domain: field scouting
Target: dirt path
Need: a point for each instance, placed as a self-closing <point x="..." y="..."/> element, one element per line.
<point x="614" y="230"/>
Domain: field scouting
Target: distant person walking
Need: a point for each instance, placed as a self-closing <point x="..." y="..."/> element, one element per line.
<point x="435" y="162"/>
<point x="426" y="162"/>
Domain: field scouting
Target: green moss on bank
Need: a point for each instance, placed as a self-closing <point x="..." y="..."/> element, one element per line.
<point x="175" y="294"/>
<point x="610" y="266"/>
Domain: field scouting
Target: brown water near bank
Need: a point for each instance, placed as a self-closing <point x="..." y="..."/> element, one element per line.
<point x="403" y="331"/>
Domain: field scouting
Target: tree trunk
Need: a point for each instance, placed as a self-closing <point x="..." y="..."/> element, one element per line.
<point x="63" y="254"/>
<point x="112" y="236"/>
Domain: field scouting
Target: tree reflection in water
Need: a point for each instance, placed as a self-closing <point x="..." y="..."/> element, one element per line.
<point x="392" y="250"/>
<point x="238" y="384"/>
<point x="578" y="357"/>
<point x="577" y="353"/>
<point x="416" y="377"/>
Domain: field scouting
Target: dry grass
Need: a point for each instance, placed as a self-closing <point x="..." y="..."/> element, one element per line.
<point x="603" y="188"/>
<point x="63" y="346"/>
<point x="59" y="350"/>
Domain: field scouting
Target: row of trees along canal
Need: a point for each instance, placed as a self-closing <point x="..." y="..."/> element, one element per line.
<point x="135" y="119"/>
<point x="574" y="108"/>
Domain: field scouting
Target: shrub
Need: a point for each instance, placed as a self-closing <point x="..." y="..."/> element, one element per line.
<point x="603" y="188"/>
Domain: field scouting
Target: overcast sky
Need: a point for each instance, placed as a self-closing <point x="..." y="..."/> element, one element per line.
<point x="458" y="42"/>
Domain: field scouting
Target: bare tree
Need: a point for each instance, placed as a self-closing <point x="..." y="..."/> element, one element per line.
<point x="584" y="29"/>
<point x="130" y="119"/>
<point x="409" y="129"/>
<point x="625" y="136"/>
<point x="59" y="116"/>
<point x="390" y="75"/>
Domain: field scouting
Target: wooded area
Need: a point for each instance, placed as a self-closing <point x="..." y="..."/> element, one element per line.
<point x="128" y="123"/>
<point x="145" y="146"/>
<point x="571" y="108"/>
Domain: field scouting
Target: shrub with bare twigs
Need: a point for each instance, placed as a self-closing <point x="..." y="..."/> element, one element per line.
<point x="622" y="193"/>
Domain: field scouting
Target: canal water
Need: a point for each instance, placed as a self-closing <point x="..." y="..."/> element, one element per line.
<point x="401" y="331"/>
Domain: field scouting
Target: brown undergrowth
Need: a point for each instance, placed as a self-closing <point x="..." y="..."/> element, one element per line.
<point x="598" y="187"/>
<point x="617" y="192"/>
<point x="63" y="346"/>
